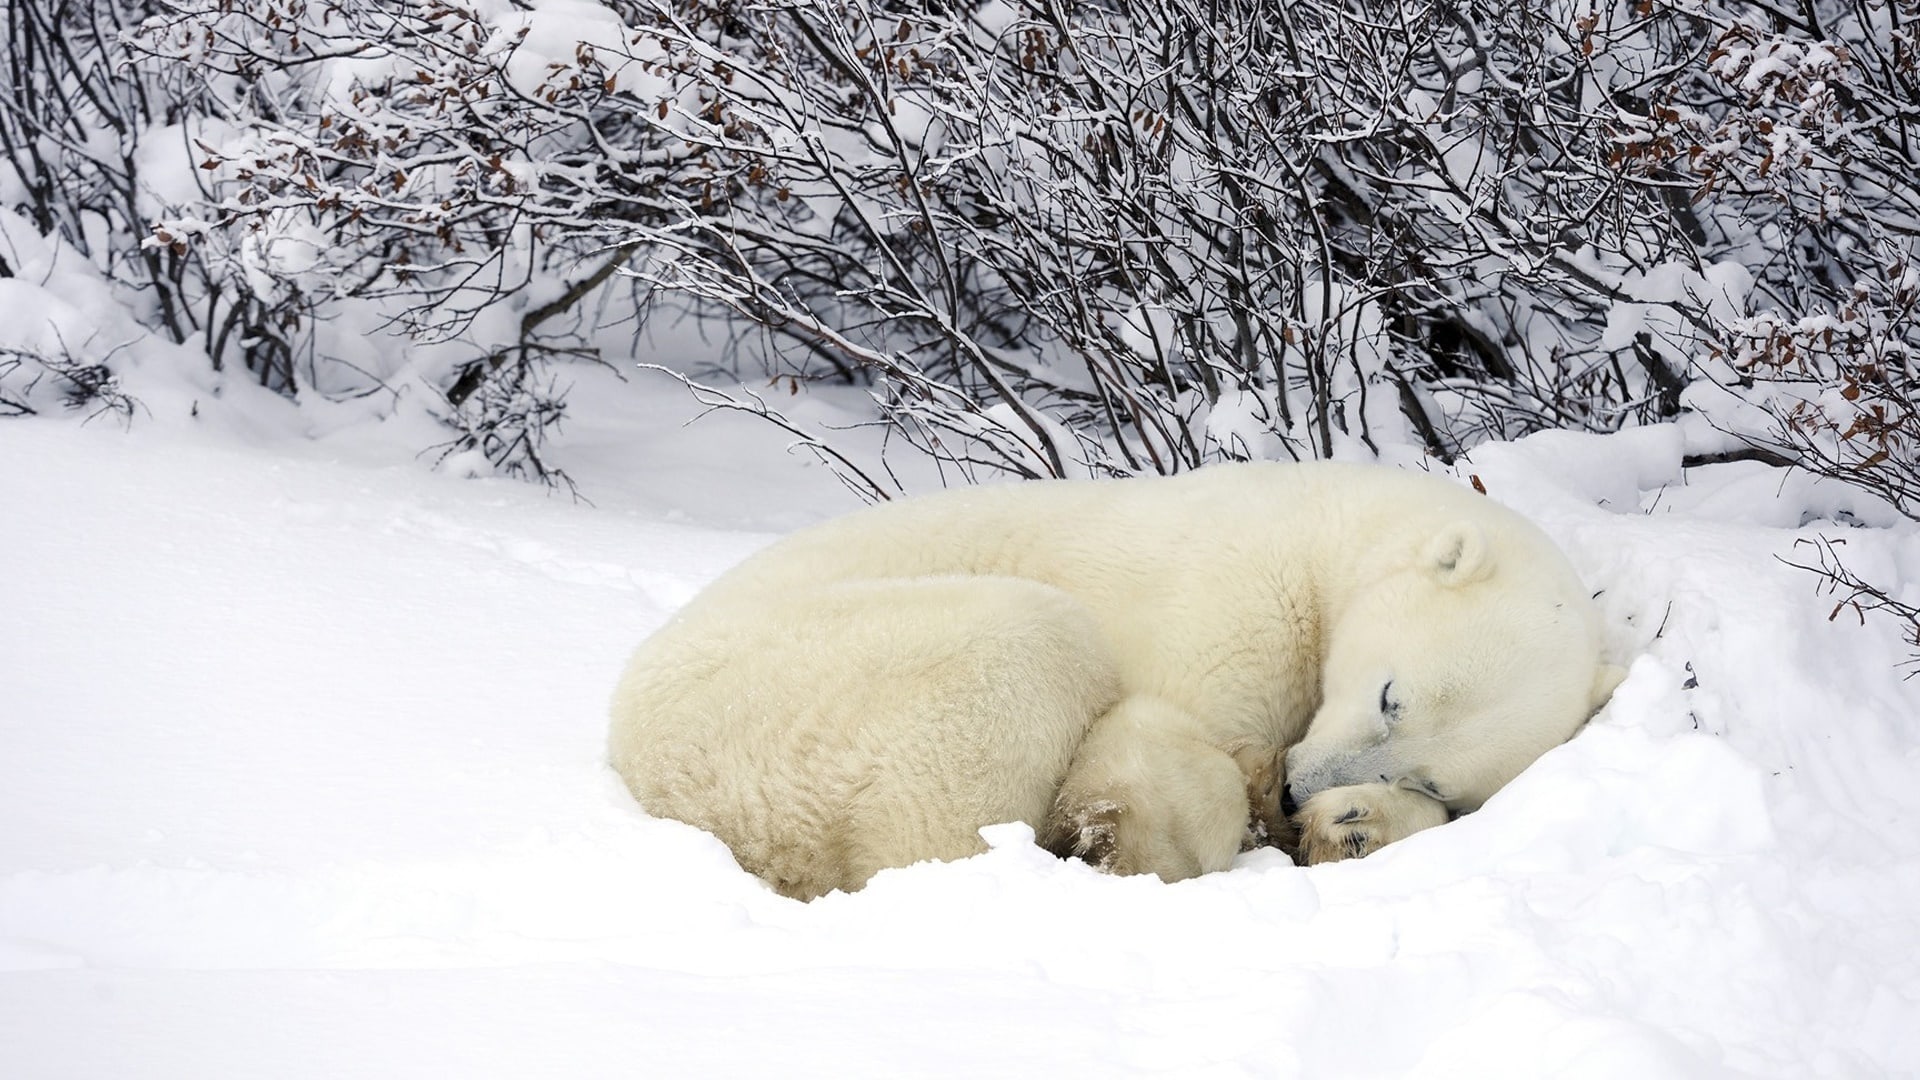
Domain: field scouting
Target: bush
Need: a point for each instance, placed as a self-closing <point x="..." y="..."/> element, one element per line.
<point x="1138" y="236"/>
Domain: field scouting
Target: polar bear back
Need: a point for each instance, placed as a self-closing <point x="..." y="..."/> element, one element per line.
<point x="1208" y="586"/>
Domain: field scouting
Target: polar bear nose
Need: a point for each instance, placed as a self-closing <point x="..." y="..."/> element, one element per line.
<point x="1289" y="803"/>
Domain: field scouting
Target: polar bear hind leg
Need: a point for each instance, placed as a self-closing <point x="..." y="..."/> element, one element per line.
<point x="825" y="733"/>
<point x="1147" y="794"/>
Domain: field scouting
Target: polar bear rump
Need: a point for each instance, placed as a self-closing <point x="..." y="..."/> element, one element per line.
<point x="838" y="730"/>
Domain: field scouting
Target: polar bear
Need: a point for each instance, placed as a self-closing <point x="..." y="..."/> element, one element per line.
<point x="1143" y="670"/>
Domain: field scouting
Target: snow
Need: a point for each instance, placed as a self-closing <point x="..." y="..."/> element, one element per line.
<point x="302" y="777"/>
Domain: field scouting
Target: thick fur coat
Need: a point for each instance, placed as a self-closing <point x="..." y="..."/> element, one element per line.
<point x="1139" y="669"/>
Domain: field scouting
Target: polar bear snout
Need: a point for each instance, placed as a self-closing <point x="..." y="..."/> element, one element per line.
<point x="1309" y="773"/>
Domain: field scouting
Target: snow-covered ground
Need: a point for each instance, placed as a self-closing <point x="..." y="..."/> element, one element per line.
<point x="300" y="776"/>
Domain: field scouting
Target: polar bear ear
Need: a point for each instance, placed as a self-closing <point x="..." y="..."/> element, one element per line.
<point x="1605" y="682"/>
<point x="1459" y="555"/>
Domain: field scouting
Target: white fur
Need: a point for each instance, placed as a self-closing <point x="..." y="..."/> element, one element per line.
<point x="1120" y="664"/>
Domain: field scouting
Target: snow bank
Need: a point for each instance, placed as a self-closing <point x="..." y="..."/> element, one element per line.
<point x="303" y="778"/>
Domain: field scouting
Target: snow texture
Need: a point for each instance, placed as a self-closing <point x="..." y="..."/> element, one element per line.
<point x="303" y="777"/>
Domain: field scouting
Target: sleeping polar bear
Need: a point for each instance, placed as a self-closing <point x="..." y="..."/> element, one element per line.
<point x="1130" y="666"/>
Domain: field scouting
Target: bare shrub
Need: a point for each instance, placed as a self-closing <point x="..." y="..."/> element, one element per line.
<point x="1140" y="236"/>
<point x="1801" y="129"/>
<point x="89" y="386"/>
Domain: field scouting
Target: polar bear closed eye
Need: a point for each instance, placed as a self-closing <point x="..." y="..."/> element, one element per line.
<point x="1130" y="667"/>
<point x="1444" y="680"/>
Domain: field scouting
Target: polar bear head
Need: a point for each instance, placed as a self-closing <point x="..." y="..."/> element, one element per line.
<point x="1453" y="673"/>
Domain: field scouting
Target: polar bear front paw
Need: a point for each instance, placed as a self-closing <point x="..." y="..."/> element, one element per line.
<point x="1333" y="829"/>
<point x="1352" y="822"/>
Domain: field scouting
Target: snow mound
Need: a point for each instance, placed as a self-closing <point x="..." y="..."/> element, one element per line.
<point x="303" y="777"/>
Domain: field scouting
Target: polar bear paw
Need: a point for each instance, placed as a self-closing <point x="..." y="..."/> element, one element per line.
<point x="1355" y="821"/>
<point x="1091" y="834"/>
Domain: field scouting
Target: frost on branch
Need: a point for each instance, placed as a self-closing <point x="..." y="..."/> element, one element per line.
<point x="1803" y="135"/>
<point x="29" y="378"/>
<point x="1801" y="129"/>
<point x="1841" y="387"/>
<point x="1049" y="238"/>
<point x="1177" y="232"/>
<point x="507" y="425"/>
<point x="455" y="174"/>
